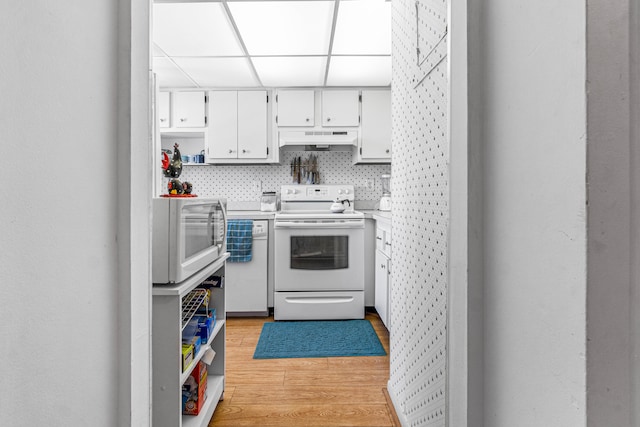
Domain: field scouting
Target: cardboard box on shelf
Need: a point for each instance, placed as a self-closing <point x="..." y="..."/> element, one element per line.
<point x="194" y="390"/>
<point x="205" y="326"/>
<point x="187" y="356"/>
<point x="195" y="342"/>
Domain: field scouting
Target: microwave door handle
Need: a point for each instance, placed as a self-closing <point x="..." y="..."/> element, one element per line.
<point x="210" y="235"/>
<point x="224" y="223"/>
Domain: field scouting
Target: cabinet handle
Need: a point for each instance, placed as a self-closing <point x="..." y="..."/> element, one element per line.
<point x="163" y="120"/>
<point x="387" y="243"/>
<point x="387" y="151"/>
<point x="328" y="119"/>
<point x="378" y="238"/>
<point x="307" y="119"/>
<point x="244" y="151"/>
<point x="231" y="151"/>
<point x="183" y="120"/>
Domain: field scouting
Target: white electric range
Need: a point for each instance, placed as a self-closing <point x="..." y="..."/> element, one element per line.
<point x="319" y="255"/>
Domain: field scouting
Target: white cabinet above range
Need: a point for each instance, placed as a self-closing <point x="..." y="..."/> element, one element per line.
<point x="327" y="108"/>
<point x="340" y="108"/>
<point x="295" y="108"/>
<point x="355" y="119"/>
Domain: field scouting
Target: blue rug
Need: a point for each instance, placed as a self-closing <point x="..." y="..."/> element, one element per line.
<point x="318" y="338"/>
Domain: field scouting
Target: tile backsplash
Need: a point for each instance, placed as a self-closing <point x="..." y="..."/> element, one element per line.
<point x="245" y="183"/>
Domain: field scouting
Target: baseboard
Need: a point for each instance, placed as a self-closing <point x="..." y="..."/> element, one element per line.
<point x="395" y="406"/>
<point x="392" y="409"/>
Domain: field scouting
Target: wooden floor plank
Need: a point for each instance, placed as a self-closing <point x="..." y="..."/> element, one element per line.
<point x="329" y="394"/>
<point x="275" y="414"/>
<point x="310" y="392"/>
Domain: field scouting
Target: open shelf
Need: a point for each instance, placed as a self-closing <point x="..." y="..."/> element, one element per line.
<point x="168" y="314"/>
<point x="215" y="388"/>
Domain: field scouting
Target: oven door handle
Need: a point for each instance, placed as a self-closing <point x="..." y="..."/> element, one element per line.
<point x="319" y="224"/>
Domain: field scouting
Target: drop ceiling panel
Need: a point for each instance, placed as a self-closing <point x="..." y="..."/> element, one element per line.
<point x="359" y="71"/>
<point x="284" y="27"/>
<point x="291" y="71"/>
<point x="286" y="43"/>
<point x="194" y="29"/>
<point x="363" y="27"/>
<point x="168" y="75"/>
<point x="218" y="72"/>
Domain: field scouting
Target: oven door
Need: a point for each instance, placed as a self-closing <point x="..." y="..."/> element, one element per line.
<point x="319" y="256"/>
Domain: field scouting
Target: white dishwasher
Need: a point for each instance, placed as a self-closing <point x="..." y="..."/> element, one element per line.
<point x="246" y="282"/>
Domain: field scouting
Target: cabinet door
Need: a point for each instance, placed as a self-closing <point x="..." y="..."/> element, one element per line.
<point x="188" y="109"/>
<point x="296" y="108"/>
<point x="252" y="124"/>
<point x="376" y="125"/>
<point x="163" y="109"/>
<point x="223" y="124"/>
<point x="382" y="288"/>
<point x="340" y="108"/>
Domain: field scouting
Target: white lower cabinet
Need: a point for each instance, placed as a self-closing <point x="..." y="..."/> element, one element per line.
<point x="383" y="264"/>
<point x="168" y="376"/>
<point x="383" y="270"/>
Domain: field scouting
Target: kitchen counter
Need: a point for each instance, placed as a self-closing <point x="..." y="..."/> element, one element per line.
<point x="257" y="214"/>
<point x="376" y="214"/>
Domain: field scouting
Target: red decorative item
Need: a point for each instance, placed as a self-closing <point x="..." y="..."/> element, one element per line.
<point x="165" y="161"/>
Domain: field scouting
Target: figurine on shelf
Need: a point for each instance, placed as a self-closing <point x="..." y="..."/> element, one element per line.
<point x="175" y="187"/>
<point x="187" y="187"/>
<point x="172" y="168"/>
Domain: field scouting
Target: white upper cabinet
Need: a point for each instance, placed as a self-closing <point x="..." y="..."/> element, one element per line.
<point x="340" y="108"/>
<point x="238" y="126"/>
<point x="223" y="125"/>
<point x="296" y="108"/>
<point x="375" y="129"/>
<point x="252" y="124"/>
<point x="164" y="109"/>
<point x="188" y="110"/>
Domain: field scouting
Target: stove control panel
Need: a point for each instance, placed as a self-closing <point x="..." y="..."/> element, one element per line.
<point x="312" y="193"/>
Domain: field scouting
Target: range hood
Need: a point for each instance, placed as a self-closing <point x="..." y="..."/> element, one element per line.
<point x="320" y="138"/>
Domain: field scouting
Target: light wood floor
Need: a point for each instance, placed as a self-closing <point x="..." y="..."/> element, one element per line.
<point x="315" y="392"/>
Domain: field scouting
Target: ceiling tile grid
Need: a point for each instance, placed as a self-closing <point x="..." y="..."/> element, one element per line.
<point x="271" y="43"/>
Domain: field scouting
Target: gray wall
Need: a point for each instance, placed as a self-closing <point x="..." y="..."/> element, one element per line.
<point x="612" y="286"/>
<point x="534" y="212"/>
<point x="63" y="81"/>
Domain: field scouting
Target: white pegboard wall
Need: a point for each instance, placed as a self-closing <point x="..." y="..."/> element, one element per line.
<point x="236" y="182"/>
<point x="420" y="212"/>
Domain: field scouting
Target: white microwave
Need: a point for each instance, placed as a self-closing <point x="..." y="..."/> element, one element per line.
<point x="188" y="234"/>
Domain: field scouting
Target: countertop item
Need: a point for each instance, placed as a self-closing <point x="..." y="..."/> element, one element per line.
<point x="269" y="201"/>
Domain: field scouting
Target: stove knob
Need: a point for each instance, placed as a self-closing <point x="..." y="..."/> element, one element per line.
<point x="346" y="191"/>
<point x="291" y="191"/>
<point x="340" y="191"/>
